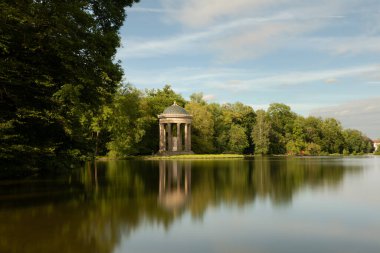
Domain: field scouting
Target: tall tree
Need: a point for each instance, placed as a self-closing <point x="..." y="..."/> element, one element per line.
<point x="202" y="128"/>
<point x="261" y="133"/>
<point x="126" y="123"/>
<point x="57" y="69"/>
<point x="281" y="118"/>
<point x="333" y="140"/>
<point x="356" y="142"/>
<point x="237" y="139"/>
<point x="227" y="115"/>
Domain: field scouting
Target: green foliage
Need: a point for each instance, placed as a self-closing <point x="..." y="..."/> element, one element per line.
<point x="356" y="142"/>
<point x="282" y="119"/>
<point x="332" y="132"/>
<point x="57" y="70"/>
<point x="202" y="128"/>
<point x="260" y="133"/>
<point x="312" y="149"/>
<point x="295" y="147"/>
<point x="227" y="115"/>
<point x="126" y="124"/>
<point x="238" y="139"/>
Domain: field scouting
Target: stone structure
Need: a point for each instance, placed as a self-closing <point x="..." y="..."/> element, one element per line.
<point x="376" y="144"/>
<point x="175" y="131"/>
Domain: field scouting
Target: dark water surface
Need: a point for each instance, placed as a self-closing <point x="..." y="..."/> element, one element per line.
<point x="262" y="205"/>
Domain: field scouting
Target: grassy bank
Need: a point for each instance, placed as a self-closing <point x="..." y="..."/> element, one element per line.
<point x="195" y="156"/>
<point x="208" y="157"/>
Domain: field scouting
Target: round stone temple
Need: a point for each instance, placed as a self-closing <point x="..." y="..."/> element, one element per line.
<point x="175" y="131"/>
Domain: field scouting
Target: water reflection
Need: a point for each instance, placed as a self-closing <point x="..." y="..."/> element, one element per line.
<point x="94" y="210"/>
<point x="174" y="185"/>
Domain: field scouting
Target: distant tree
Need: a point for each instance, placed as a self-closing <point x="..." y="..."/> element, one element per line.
<point x="221" y="127"/>
<point x="126" y="123"/>
<point x="237" y="139"/>
<point x="312" y="149"/>
<point x="227" y="115"/>
<point x="197" y="98"/>
<point x="333" y="140"/>
<point x="295" y="147"/>
<point x="261" y="132"/>
<point x="202" y="128"/>
<point x="313" y="130"/>
<point x="281" y="118"/>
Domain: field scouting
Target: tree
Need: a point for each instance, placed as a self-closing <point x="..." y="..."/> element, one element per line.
<point x="313" y="130"/>
<point x="332" y="141"/>
<point x="197" y="98"/>
<point x="57" y="70"/>
<point x="296" y="145"/>
<point x="238" y="139"/>
<point x="356" y="142"/>
<point x="225" y="116"/>
<point x="202" y="128"/>
<point x="126" y="124"/>
<point x="260" y="133"/>
<point x="281" y="118"/>
<point x="220" y="138"/>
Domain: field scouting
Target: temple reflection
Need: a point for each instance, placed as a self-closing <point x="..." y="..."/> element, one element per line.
<point x="174" y="184"/>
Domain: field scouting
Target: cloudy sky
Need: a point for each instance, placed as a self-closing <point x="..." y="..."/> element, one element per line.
<point x="321" y="57"/>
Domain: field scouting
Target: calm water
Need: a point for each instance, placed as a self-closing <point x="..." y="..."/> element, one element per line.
<point x="261" y="205"/>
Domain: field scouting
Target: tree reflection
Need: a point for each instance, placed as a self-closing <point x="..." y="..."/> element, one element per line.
<point x="92" y="211"/>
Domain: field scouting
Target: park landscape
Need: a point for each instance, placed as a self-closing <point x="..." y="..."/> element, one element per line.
<point x="111" y="142"/>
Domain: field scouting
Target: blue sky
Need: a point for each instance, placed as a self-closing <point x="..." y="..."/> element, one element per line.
<point x="321" y="57"/>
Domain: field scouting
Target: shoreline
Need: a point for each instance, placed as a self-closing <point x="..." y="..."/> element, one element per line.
<point x="219" y="156"/>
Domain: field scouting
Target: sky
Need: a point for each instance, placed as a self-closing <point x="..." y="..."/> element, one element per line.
<point x="320" y="57"/>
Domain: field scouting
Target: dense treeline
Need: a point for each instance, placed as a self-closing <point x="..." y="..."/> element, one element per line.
<point x="130" y="127"/>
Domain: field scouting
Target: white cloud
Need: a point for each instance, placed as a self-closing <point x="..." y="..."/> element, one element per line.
<point x="296" y="78"/>
<point x="363" y="115"/>
<point x="143" y="47"/>
<point x="346" y="45"/>
<point x="242" y="32"/>
<point x="195" y="13"/>
<point x="241" y="80"/>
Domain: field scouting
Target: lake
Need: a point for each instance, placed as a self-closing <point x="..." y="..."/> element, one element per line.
<point x="263" y="205"/>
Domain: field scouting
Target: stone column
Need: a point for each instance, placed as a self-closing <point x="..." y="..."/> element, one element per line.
<point x="162" y="138"/>
<point x="186" y="138"/>
<point x="179" y="137"/>
<point x="170" y="140"/>
<point x="189" y="141"/>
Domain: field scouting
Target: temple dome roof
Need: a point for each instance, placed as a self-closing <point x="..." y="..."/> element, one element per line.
<point x="175" y="109"/>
